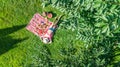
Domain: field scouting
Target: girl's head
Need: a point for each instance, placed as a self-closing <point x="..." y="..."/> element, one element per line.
<point x="46" y="40"/>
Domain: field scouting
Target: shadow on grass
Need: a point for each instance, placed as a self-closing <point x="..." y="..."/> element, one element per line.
<point x="9" y="30"/>
<point x="6" y="41"/>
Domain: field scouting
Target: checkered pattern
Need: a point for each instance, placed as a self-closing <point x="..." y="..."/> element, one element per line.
<point x="35" y="24"/>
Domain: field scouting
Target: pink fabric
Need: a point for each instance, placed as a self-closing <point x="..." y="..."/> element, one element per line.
<point x="34" y="23"/>
<point x="49" y="35"/>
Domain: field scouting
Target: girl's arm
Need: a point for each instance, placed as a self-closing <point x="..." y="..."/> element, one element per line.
<point x="57" y="20"/>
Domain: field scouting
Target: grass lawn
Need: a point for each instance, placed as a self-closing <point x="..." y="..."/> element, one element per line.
<point x="18" y="44"/>
<point x="15" y="41"/>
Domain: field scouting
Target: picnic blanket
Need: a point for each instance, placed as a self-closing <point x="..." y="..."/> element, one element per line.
<point x="38" y="25"/>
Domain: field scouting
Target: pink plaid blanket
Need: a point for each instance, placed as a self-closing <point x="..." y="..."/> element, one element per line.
<point x="38" y="25"/>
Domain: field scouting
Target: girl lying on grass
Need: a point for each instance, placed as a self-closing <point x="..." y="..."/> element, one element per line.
<point x="47" y="38"/>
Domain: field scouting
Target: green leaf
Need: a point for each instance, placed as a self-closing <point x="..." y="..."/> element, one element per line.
<point x="113" y="7"/>
<point x="97" y="4"/>
<point x="108" y="32"/>
<point x="117" y="30"/>
<point x="104" y="29"/>
<point x="118" y="21"/>
<point x="104" y="18"/>
<point x="100" y="24"/>
<point x="118" y="45"/>
<point x="97" y="31"/>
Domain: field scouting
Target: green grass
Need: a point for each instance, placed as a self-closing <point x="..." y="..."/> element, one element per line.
<point x="18" y="44"/>
<point x="15" y="41"/>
